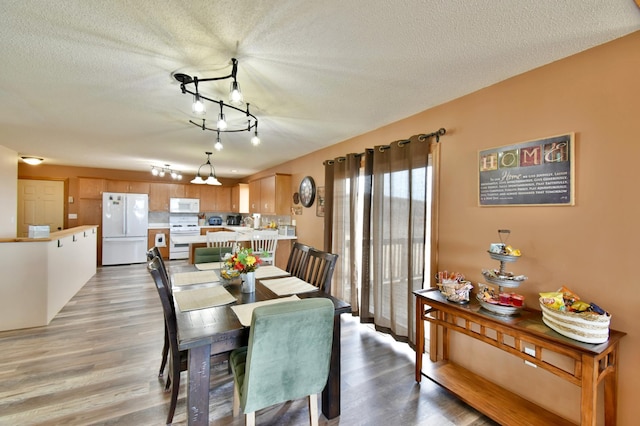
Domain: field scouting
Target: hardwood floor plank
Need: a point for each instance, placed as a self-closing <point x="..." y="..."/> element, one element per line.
<point x="97" y="362"/>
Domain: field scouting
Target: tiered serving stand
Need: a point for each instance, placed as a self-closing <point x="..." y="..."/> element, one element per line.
<point x="502" y="283"/>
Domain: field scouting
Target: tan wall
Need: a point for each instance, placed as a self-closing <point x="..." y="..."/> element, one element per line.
<point x="590" y="247"/>
<point x="8" y="192"/>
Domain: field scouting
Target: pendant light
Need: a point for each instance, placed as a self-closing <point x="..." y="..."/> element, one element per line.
<point x="211" y="179"/>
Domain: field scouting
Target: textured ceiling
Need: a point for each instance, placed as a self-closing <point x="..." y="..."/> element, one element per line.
<point x="87" y="82"/>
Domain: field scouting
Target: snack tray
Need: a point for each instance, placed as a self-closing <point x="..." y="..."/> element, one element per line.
<point x="503" y="257"/>
<point x="500" y="309"/>
<point x="502" y="282"/>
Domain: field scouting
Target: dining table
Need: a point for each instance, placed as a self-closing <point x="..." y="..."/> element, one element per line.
<point x="217" y="330"/>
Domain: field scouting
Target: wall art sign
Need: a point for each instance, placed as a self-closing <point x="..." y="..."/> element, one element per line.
<point x="539" y="172"/>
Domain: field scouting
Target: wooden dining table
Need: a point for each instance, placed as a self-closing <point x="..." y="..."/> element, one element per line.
<point x="216" y="330"/>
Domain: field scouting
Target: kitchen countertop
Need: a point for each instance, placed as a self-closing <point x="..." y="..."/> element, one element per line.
<point x="202" y="239"/>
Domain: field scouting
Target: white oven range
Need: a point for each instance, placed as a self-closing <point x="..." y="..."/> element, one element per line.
<point x="183" y="225"/>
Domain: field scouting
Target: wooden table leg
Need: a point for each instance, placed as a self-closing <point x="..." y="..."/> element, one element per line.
<point x="331" y="392"/>
<point x="611" y="389"/>
<point x="589" y="394"/>
<point x="198" y="390"/>
<point x="419" y="338"/>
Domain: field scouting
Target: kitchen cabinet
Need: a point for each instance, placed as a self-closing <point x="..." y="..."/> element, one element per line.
<point x="158" y="197"/>
<point x="128" y="187"/>
<point x="90" y="213"/>
<point x="151" y="239"/>
<point x="270" y="195"/>
<point x="208" y="198"/>
<point x="91" y="188"/>
<point x="223" y="199"/>
<point x="192" y="191"/>
<point x="240" y="198"/>
<point x="215" y="199"/>
<point x="177" y="190"/>
<point x="254" y="196"/>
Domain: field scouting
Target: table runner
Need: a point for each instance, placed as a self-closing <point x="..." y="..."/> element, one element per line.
<point x="198" y="277"/>
<point x="244" y="312"/>
<point x="288" y="285"/>
<point x="208" y="266"/>
<point x="270" y="271"/>
<point x="190" y="300"/>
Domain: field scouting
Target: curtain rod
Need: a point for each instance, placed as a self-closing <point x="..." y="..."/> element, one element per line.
<point x="440" y="132"/>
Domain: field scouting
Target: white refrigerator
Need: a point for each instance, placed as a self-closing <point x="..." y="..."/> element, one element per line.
<point x="125" y="221"/>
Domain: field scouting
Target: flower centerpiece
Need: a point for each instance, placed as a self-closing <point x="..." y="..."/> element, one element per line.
<point x="243" y="262"/>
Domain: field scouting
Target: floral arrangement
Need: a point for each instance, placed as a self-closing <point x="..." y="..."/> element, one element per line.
<point x="241" y="262"/>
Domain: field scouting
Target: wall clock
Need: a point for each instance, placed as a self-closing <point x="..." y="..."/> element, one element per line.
<point x="307" y="191"/>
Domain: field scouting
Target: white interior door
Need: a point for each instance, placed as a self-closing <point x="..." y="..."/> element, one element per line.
<point x="40" y="202"/>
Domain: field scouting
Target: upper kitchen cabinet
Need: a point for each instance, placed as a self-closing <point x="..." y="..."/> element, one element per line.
<point x="215" y="199"/>
<point x="270" y="195"/>
<point x="177" y="190"/>
<point x="91" y="188"/>
<point x="240" y="198"/>
<point x="208" y="196"/>
<point x="223" y="199"/>
<point x="158" y="197"/>
<point x="126" y="186"/>
<point x="192" y="191"/>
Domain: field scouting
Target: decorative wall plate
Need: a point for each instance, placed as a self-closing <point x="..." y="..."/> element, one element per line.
<point x="296" y="198"/>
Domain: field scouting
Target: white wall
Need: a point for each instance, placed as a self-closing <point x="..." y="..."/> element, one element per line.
<point x="8" y="192"/>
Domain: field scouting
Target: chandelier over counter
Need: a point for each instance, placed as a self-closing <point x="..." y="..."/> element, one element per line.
<point x="211" y="179"/>
<point x="189" y="84"/>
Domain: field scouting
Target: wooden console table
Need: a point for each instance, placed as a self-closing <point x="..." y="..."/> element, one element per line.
<point x="592" y="362"/>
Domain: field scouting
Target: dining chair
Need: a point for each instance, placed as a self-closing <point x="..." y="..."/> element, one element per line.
<point x="287" y="357"/>
<point x="177" y="358"/>
<point x="265" y="242"/>
<point x="297" y="259"/>
<point x="221" y="239"/>
<point x="319" y="269"/>
<point x="154" y="252"/>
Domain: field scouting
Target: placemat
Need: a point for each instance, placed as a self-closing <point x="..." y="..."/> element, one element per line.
<point x="288" y="285"/>
<point x="245" y="312"/>
<point x="270" y="271"/>
<point x="197" y="277"/>
<point x="200" y="298"/>
<point x="208" y="266"/>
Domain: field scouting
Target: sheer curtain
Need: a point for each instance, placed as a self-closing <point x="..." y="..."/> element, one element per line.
<point x="342" y="175"/>
<point x="379" y="225"/>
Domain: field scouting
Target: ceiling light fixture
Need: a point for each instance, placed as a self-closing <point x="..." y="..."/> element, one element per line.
<point x="211" y="179"/>
<point x="218" y="146"/>
<point x="33" y="161"/>
<point x="161" y="171"/>
<point x="235" y="98"/>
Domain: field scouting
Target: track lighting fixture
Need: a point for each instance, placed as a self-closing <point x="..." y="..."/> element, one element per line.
<point x="189" y="84"/>
<point x="161" y="171"/>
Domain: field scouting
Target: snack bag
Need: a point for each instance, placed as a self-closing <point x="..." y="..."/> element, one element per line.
<point x="553" y="300"/>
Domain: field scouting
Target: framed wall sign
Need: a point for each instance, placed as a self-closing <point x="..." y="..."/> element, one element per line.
<point x="539" y="172"/>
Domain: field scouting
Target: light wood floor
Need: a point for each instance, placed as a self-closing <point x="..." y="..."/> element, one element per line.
<point x="97" y="362"/>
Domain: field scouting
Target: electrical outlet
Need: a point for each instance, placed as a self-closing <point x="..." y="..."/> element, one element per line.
<point x="530" y="351"/>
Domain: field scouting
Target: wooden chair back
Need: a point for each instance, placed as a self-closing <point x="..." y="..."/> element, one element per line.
<point x="298" y="259"/>
<point x="318" y="270"/>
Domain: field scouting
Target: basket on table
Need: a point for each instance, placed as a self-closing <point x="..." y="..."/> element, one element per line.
<point x="455" y="291"/>
<point x="587" y="327"/>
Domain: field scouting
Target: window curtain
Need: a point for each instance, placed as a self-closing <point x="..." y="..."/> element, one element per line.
<point x="377" y="222"/>
<point x="343" y="223"/>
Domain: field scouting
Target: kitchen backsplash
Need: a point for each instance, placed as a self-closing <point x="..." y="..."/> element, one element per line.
<point x="163" y="217"/>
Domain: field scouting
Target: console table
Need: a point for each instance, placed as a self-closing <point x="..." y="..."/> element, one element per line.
<point x="515" y="335"/>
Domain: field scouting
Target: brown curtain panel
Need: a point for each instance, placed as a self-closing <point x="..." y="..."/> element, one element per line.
<point x="398" y="234"/>
<point x="346" y="228"/>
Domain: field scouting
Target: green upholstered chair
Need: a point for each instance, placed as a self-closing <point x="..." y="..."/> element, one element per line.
<point x="210" y="254"/>
<point x="287" y="357"/>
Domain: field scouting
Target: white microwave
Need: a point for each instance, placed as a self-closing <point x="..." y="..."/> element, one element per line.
<point x="184" y="205"/>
